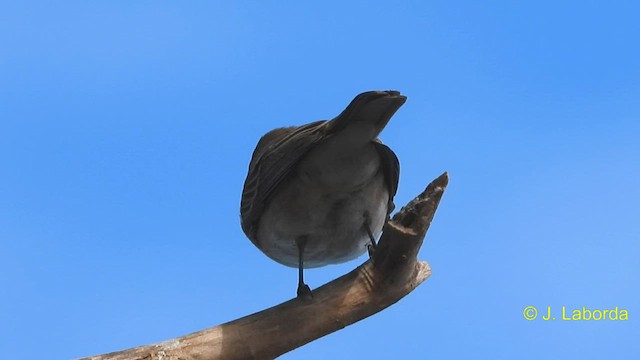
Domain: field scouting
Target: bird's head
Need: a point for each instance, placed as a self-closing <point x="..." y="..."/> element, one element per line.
<point x="368" y="113"/>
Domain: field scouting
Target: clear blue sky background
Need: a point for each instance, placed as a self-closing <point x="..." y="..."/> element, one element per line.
<point x="126" y="129"/>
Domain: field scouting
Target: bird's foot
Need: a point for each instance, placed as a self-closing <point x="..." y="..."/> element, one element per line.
<point x="304" y="292"/>
<point x="372" y="245"/>
<point x="371" y="248"/>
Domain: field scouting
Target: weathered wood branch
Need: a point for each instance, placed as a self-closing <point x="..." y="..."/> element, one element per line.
<point x="393" y="272"/>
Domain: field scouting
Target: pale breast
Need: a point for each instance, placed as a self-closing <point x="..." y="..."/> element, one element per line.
<point x="330" y="217"/>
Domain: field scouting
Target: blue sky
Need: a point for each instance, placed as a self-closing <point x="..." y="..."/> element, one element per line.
<point x="126" y="130"/>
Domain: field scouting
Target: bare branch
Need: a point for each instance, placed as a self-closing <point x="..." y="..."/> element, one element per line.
<point x="393" y="272"/>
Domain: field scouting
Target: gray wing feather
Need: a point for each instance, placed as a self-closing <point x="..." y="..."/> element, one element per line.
<point x="276" y="154"/>
<point x="390" y="169"/>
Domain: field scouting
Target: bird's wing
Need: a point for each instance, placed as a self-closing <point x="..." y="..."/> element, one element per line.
<point x="275" y="156"/>
<point x="390" y="169"/>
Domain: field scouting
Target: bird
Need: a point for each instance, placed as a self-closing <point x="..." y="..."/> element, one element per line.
<point x="320" y="193"/>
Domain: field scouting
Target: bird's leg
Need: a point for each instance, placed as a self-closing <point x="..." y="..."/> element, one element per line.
<point x="371" y="247"/>
<point x="304" y="292"/>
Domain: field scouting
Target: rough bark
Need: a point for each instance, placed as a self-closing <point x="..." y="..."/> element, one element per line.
<point x="392" y="273"/>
